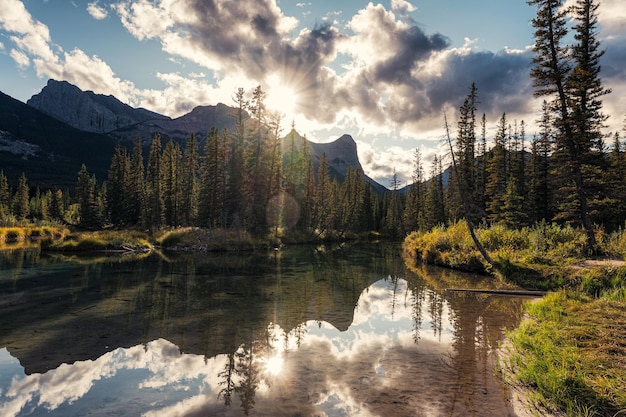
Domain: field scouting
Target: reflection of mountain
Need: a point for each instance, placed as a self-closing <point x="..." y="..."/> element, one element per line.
<point x="205" y="305"/>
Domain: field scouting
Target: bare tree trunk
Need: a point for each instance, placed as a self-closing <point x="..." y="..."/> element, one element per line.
<point x="466" y="210"/>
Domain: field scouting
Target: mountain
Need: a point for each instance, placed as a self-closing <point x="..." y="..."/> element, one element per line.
<point x="340" y="155"/>
<point x="98" y="113"/>
<point x="88" y="111"/>
<point x="49" y="151"/>
<point x="68" y="126"/>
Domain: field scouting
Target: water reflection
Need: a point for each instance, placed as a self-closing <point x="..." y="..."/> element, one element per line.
<point x="308" y="331"/>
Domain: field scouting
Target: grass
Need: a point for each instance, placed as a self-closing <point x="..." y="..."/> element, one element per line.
<point x="107" y="240"/>
<point x="25" y="234"/>
<point x="571" y="352"/>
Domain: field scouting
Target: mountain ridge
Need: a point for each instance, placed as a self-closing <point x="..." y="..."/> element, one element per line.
<point x="107" y="120"/>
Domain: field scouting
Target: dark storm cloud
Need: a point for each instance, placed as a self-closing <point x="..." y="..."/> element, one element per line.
<point x="613" y="60"/>
<point x="248" y="37"/>
<point x="496" y="75"/>
<point x="412" y="46"/>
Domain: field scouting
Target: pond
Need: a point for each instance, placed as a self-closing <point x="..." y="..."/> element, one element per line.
<point x="304" y="331"/>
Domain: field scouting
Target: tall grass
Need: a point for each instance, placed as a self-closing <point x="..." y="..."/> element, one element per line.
<point x="570" y="352"/>
<point x="542" y="244"/>
<point x="107" y="240"/>
<point x="15" y="234"/>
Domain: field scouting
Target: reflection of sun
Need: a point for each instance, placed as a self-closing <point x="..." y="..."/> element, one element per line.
<point x="274" y="365"/>
<point x="281" y="98"/>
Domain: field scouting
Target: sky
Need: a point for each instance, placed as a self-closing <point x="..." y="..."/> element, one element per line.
<point x="383" y="72"/>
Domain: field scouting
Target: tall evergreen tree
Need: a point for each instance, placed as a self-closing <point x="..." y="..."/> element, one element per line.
<point x="434" y="209"/>
<point x="21" y="206"/>
<point x="552" y="75"/>
<point x="213" y="180"/>
<point x="154" y="213"/>
<point x="137" y="210"/>
<point x="118" y="188"/>
<point x="87" y="197"/>
<point x="172" y="183"/>
<point x="496" y="185"/>
<point x="466" y="151"/>
<point x="57" y="209"/>
<point x="190" y="188"/>
<point x="5" y="194"/>
<point x="323" y="198"/>
<point x="413" y="209"/>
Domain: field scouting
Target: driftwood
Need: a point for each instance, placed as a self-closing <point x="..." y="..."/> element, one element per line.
<point x="524" y="293"/>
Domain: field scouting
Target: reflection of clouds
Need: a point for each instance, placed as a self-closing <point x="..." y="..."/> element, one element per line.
<point x="68" y="383"/>
<point x="375" y="368"/>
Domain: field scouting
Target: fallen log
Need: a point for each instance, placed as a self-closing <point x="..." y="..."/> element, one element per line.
<point x="523" y="293"/>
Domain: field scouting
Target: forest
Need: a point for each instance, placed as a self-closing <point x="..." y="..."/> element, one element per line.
<point x="254" y="179"/>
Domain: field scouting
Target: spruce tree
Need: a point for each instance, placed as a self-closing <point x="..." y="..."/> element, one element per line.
<point x="496" y="185"/>
<point x="154" y="213"/>
<point x="413" y="208"/>
<point x="21" y="199"/>
<point x="172" y="183"/>
<point x="87" y="198"/>
<point x="190" y="188"/>
<point x="118" y="188"/>
<point x="136" y="193"/>
<point x="5" y="194"/>
<point x="572" y="93"/>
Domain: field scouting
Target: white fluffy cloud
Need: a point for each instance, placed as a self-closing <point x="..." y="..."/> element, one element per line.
<point x="96" y="11"/>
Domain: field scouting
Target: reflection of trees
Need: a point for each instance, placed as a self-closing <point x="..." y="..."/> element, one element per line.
<point x="479" y="321"/>
<point x="247" y="371"/>
<point x="226" y="380"/>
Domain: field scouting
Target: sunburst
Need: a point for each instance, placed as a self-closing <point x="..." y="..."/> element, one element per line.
<point x="282" y="99"/>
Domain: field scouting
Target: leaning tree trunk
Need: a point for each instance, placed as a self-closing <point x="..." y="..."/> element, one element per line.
<point x="466" y="210"/>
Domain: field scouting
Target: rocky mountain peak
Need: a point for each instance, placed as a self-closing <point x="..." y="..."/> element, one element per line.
<point x="86" y="110"/>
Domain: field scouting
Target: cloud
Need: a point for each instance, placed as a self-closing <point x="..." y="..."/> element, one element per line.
<point x="96" y="11"/>
<point x="29" y="36"/>
<point x="379" y="73"/>
<point x="20" y="58"/>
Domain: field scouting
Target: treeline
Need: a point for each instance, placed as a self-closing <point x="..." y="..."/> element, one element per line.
<point x="568" y="173"/>
<point x="248" y="179"/>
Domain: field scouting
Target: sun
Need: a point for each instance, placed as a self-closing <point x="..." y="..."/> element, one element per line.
<point x="274" y="365"/>
<point x="282" y="99"/>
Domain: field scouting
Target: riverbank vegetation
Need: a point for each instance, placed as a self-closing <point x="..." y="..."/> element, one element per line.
<point x="570" y="352"/>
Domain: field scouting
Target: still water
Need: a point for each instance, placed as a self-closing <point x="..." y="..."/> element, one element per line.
<point x="305" y="331"/>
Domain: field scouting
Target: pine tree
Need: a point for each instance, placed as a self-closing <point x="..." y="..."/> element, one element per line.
<point x="466" y="149"/>
<point x="496" y="185"/>
<point x="21" y="206"/>
<point x="393" y="216"/>
<point x="570" y="94"/>
<point x="617" y="183"/>
<point x="434" y="210"/>
<point x="87" y="198"/>
<point x="257" y="175"/>
<point x="413" y="209"/>
<point x="190" y="188"/>
<point x="212" y="182"/>
<point x="5" y="194"/>
<point x="323" y="198"/>
<point x="172" y="183"/>
<point x="56" y="210"/>
<point x="136" y="193"/>
<point x="118" y="185"/>
<point x="154" y="213"/>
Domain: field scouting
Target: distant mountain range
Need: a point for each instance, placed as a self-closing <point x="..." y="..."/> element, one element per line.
<point x="58" y="129"/>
